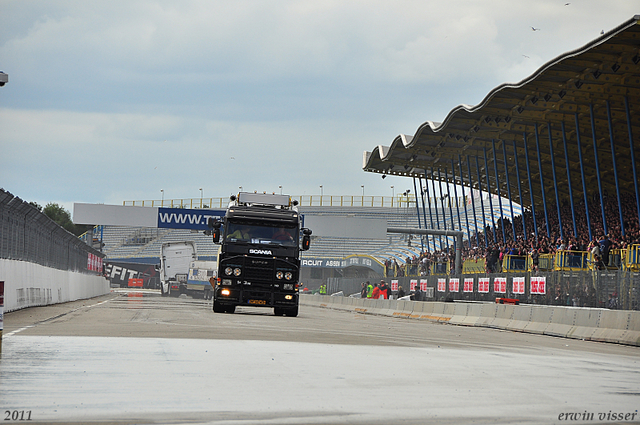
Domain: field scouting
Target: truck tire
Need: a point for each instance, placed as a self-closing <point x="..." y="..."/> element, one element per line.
<point x="291" y="312"/>
<point x="231" y="309"/>
<point x="278" y="311"/>
<point x="217" y="308"/>
<point x="162" y="293"/>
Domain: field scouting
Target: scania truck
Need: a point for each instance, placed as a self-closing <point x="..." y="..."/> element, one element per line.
<point x="260" y="241"/>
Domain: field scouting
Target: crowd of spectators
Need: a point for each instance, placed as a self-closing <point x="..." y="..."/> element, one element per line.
<point x="491" y="246"/>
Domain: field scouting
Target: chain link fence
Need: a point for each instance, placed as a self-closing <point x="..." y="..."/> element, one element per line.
<point x="601" y="289"/>
<point x="26" y="234"/>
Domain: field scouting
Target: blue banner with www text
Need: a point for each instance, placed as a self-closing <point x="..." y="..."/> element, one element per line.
<point x="182" y="218"/>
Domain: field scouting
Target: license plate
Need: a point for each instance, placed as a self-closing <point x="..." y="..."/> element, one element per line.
<point x="258" y="302"/>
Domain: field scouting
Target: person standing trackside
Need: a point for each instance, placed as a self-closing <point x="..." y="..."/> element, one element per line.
<point x="385" y="290"/>
<point x="369" y="289"/>
<point x="417" y="294"/>
<point x="363" y="291"/>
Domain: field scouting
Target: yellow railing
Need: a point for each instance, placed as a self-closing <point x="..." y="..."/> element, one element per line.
<point x="632" y="258"/>
<point x="440" y="268"/>
<point x="474" y="266"/>
<point x="397" y="201"/>
<point x="572" y="260"/>
<point x="514" y="263"/>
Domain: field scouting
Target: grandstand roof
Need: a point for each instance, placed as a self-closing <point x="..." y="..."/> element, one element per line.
<point x="597" y="80"/>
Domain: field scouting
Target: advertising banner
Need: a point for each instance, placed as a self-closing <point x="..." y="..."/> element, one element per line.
<point x="468" y="284"/>
<point x="483" y="285"/>
<point x="539" y="285"/>
<point x="518" y="285"/>
<point x="423" y="285"/>
<point x="500" y="285"/>
<point x="454" y="285"/>
<point x="413" y="284"/>
<point x="442" y="285"/>
<point x="394" y="285"/>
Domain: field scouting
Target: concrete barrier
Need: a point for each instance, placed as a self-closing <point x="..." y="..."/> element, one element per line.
<point x="585" y="323"/>
<point x="521" y="318"/>
<point x="540" y="319"/>
<point x="504" y="314"/>
<point x="562" y="322"/>
<point x="29" y="285"/>
<point x="570" y="322"/>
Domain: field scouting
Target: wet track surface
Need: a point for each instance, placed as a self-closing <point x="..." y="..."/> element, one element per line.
<point x="133" y="357"/>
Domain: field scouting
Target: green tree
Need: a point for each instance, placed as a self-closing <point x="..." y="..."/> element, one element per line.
<point x="61" y="216"/>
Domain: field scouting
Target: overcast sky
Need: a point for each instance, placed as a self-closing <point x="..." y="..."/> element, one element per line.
<point x="114" y="100"/>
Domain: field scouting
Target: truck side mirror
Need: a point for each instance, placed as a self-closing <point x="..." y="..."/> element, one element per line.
<point x="306" y="238"/>
<point x="214" y="225"/>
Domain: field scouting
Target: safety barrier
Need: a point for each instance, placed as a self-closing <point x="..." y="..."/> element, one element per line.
<point x="514" y="263"/>
<point x="632" y="258"/>
<point x="473" y="266"/>
<point x="595" y="324"/>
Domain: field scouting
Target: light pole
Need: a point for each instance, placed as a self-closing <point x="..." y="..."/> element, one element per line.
<point x="393" y="192"/>
<point x="362" y="186"/>
<point x="200" y="197"/>
<point x="280" y="187"/>
<point x="240" y="187"/>
<point x="321" y="191"/>
<point x="162" y="203"/>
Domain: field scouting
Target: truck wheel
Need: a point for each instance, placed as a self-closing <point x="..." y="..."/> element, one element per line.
<point x="231" y="309"/>
<point x="162" y="293"/>
<point x="217" y="308"/>
<point x="277" y="311"/>
<point x="292" y="312"/>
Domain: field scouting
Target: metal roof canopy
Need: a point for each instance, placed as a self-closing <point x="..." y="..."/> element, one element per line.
<point x="576" y="92"/>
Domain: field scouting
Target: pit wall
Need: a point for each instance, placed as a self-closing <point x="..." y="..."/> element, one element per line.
<point x="594" y="324"/>
<point x="28" y="285"/>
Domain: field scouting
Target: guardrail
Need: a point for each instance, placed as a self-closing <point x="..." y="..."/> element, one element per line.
<point x="398" y="201"/>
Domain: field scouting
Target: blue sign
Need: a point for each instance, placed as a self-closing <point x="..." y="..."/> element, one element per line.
<point x="181" y="218"/>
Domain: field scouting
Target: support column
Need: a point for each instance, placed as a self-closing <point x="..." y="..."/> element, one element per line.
<point x="584" y="184"/>
<point x="566" y="159"/>
<point x="486" y="174"/>
<point x="484" y="220"/>
<point x="615" y="168"/>
<point x="415" y="190"/>
<point x="595" y="153"/>
<point x="506" y="173"/>
<point x="466" y="215"/>
<point x="555" y="180"/>
<point x="424" y="212"/>
<point x="515" y="157"/>
<point x="633" y="157"/>
<point x="533" y="205"/>
<point x="495" y="169"/>
<point x="473" y="201"/>
<point x="544" y="197"/>
<point x="455" y="193"/>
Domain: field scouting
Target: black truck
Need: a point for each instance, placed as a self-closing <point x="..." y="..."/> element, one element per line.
<point x="260" y="241"/>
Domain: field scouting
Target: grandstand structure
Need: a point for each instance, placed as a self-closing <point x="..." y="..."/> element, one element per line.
<point x="564" y="138"/>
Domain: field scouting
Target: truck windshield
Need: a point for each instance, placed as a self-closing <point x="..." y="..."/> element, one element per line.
<point x="277" y="234"/>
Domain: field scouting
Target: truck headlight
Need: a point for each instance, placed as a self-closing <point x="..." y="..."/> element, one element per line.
<point x="237" y="272"/>
<point x="288" y="275"/>
<point x="225" y="292"/>
<point x="288" y="297"/>
<point x="279" y="275"/>
<point x="228" y="271"/>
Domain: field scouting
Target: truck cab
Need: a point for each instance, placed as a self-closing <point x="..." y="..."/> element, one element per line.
<point x="259" y="259"/>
